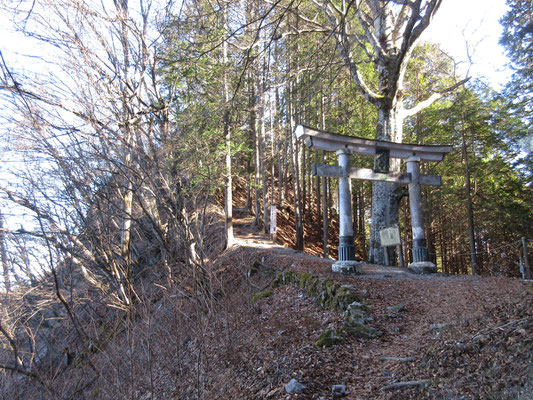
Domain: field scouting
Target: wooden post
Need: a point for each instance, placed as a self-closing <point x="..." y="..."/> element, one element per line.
<point x="527" y="269"/>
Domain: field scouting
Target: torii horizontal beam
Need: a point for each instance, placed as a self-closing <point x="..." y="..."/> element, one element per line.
<point x="335" y="171"/>
<point x="328" y="141"/>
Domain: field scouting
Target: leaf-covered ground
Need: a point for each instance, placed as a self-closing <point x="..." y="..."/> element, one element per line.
<point x="443" y="337"/>
<point x="450" y="337"/>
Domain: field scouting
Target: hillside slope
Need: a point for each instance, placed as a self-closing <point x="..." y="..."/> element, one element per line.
<point x="451" y="336"/>
<point x="271" y="321"/>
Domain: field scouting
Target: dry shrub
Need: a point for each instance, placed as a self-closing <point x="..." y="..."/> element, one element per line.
<point x="178" y="341"/>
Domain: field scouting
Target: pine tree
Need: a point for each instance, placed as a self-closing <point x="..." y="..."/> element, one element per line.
<point x="517" y="38"/>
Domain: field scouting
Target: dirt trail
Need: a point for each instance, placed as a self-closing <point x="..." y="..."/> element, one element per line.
<point x="247" y="235"/>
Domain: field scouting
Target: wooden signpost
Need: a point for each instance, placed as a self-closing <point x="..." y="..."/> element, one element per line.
<point x="390" y="237"/>
<point x="344" y="146"/>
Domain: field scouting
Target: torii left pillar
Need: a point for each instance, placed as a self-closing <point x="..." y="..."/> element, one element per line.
<point x="346" y="263"/>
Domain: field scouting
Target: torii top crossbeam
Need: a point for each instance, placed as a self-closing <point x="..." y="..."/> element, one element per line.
<point x="328" y="141"/>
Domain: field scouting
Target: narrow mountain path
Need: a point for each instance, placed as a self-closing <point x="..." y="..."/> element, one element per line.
<point x="247" y="234"/>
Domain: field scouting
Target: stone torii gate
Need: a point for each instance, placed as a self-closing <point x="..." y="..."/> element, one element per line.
<point x="343" y="146"/>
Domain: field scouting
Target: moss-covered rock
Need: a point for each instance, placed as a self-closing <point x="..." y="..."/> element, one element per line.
<point x="361" y="331"/>
<point x="333" y="337"/>
<point x="351" y="320"/>
<point x="312" y="288"/>
<point x="261" y="295"/>
<point x="356" y="307"/>
<point x="325" y="292"/>
<point x="330" y="338"/>
<point x="303" y="279"/>
<point x="282" y="278"/>
<point x="254" y="269"/>
<point x="330" y="295"/>
<point x="344" y="297"/>
<point x="330" y="287"/>
<point x="396" y="308"/>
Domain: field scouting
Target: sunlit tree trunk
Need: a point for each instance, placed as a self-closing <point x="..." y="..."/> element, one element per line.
<point x="262" y="141"/>
<point x="3" y="255"/>
<point x="325" y="219"/>
<point x="469" y="208"/>
<point x="124" y="273"/>
<point x="295" y="161"/>
<point x="228" y="201"/>
<point x="264" y="180"/>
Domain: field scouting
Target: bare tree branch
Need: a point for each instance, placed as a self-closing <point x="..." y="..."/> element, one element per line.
<point x="431" y="99"/>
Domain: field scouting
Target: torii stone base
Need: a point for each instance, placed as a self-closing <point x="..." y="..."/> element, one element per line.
<point x="347" y="267"/>
<point x="422" y="267"/>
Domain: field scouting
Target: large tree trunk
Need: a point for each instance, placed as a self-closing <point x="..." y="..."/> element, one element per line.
<point x="362" y="223"/>
<point x="257" y="172"/>
<point x="124" y="276"/>
<point x="272" y="153"/>
<point x="325" y="216"/>
<point x="318" y="200"/>
<point x="264" y="180"/>
<point x="295" y="161"/>
<point x="303" y="161"/>
<point x="325" y="220"/>
<point x="385" y="203"/>
<point x="263" y="143"/>
<point x="228" y="184"/>
<point x="282" y="154"/>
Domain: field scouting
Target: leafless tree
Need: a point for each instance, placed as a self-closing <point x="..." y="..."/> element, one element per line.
<point x="102" y="125"/>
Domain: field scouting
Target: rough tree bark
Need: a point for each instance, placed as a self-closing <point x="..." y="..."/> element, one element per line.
<point x="297" y="197"/>
<point x="124" y="272"/>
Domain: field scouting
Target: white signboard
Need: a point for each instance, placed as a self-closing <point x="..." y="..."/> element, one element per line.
<point x="273" y="212"/>
<point x="390" y="236"/>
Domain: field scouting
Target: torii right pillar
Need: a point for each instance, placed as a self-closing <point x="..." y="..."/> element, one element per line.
<point x="421" y="262"/>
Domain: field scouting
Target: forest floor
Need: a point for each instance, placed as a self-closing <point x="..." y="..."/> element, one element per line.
<point x="440" y="337"/>
<point x="444" y="337"/>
